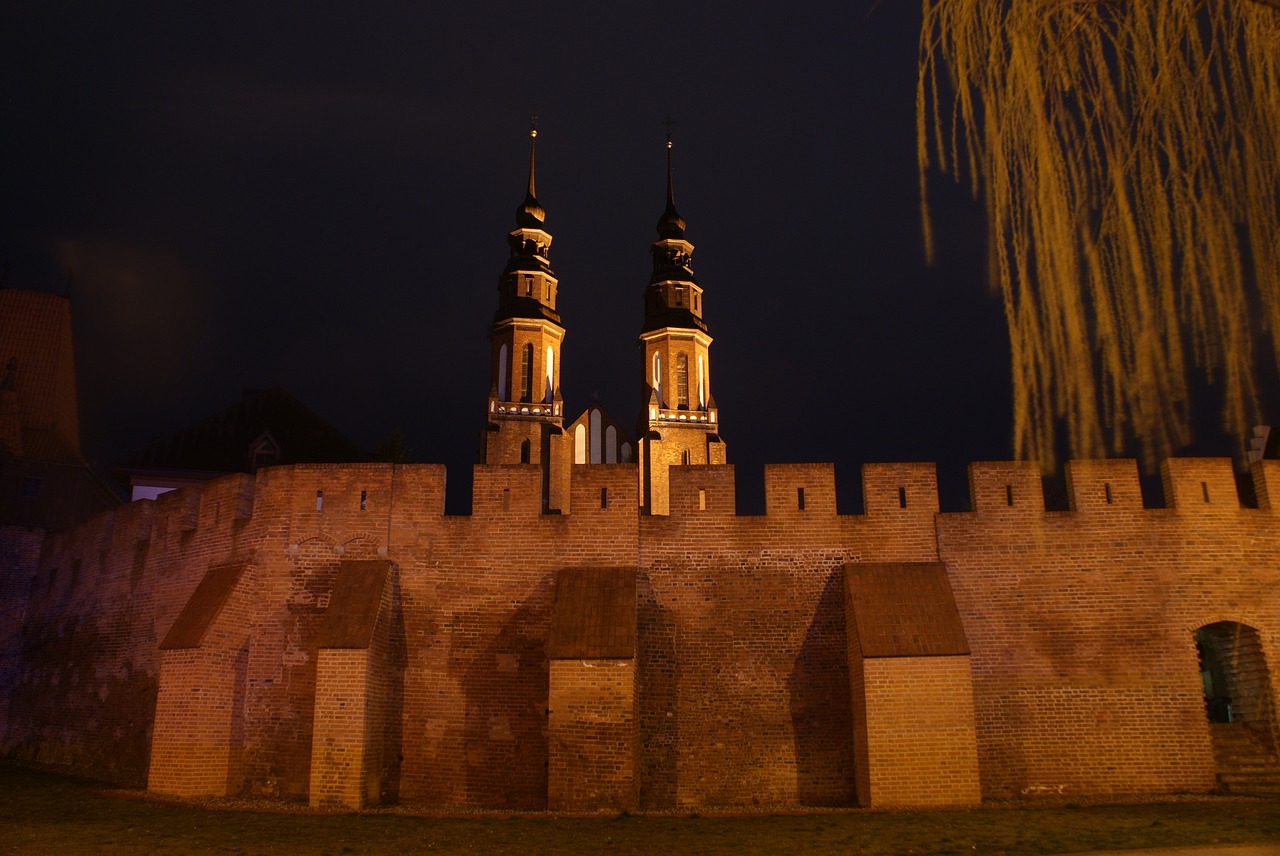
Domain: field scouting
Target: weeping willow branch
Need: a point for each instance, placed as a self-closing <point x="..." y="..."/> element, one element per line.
<point x="1128" y="156"/>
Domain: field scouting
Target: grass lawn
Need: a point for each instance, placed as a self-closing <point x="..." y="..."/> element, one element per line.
<point x="43" y="814"/>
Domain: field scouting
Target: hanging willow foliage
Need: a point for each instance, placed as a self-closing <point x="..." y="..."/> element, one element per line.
<point x="1128" y="155"/>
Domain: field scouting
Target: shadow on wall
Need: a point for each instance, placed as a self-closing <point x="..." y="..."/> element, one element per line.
<point x="506" y="686"/>
<point x="821" y="708"/>
<point x="237" y="734"/>
<point x="658" y="693"/>
<point x="120" y="702"/>
<point x="393" y="716"/>
<point x="278" y="757"/>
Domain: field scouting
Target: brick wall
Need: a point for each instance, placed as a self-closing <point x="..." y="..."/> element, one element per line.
<point x="343" y="773"/>
<point x="1081" y="626"/>
<point x="591" y="735"/>
<point x="103" y="598"/>
<point x="1082" y="623"/>
<point x="355" y="740"/>
<point x="198" y="743"/>
<point x="920" y="735"/>
<point x="19" y="562"/>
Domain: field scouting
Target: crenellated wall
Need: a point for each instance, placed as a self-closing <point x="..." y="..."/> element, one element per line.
<point x="1079" y="624"/>
<point x="1082" y="622"/>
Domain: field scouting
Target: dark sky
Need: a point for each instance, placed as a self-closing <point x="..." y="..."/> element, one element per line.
<point x="253" y="194"/>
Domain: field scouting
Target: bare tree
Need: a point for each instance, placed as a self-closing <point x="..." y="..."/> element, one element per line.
<point x="1128" y="156"/>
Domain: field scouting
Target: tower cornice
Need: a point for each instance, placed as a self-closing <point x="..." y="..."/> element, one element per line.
<point x="701" y="337"/>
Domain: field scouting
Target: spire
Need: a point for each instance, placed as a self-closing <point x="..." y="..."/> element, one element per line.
<point x="527" y="287"/>
<point x="670" y="224"/>
<point x="673" y="298"/>
<point x="530" y="214"/>
<point x="679" y="421"/>
<point x="533" y="142"/>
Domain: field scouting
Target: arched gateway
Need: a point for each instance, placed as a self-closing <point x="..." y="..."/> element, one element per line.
<point x="1240" y="706"/>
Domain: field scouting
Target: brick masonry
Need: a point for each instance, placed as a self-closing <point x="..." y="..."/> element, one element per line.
<point x="1080" y="625"/>
<point x="591" y="735"/>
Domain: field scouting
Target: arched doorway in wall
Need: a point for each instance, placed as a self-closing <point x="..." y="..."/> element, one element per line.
<point x="1237" y="682"/>
<point x="1238" y="702"/>
<point x="1213" y="676"/>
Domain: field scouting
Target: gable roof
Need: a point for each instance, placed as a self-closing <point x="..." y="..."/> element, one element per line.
<point x="594" y="616"/>
<point x="904" y="609"/>
<point x="224" y="442"/>
<point x="352" y="615"/>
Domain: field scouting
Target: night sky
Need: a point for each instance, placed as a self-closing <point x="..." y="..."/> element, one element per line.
<point x="251" y="194"/>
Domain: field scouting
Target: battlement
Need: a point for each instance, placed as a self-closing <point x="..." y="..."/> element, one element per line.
<point x="703" y="490"/>
<point x="1094" y="486"/>
<point x="1266" y="484"/>
<point x="506" y="489"/>
<point x="1199" y="484"/>
<point x="900" y="489"/>
<point x="604" y="489"/>
<point x="800" y="490"/>
<point x="316" y="497"/>
<point x="1006" y="488"/>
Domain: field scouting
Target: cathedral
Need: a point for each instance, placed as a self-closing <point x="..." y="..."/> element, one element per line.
<point x="603" y="632"/>
<point x="679" y="422"/>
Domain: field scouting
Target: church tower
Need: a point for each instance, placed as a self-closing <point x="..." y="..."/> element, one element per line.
<point x="679" y="423"/>
<point x="525" y="412"/>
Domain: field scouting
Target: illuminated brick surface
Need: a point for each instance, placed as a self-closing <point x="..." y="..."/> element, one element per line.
<point x="1082" y="670"/>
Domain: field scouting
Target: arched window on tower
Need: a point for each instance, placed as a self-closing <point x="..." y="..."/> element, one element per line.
<point x="504" y="393"/>
<point x="702" y="385"/>
<point x="524" y="452"/>
<point x="657" y="376"/>
<point x="682" y="381"/>
<point x="551" y="375"/>
<point x="580" y="444"/>
<point x="526" y="376"/>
